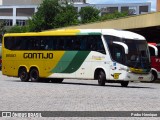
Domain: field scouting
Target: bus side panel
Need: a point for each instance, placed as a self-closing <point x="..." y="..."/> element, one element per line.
<point x="69" y="64"/>
<point x="9" y="62"/>
<point x="155" y="63"/>
<point x="95" y="60"/>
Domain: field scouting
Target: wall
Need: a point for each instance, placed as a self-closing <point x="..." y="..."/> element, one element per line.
<point x="158" y="5"/>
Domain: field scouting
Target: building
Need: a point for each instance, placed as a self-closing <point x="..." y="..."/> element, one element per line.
<point x="33" y="2"/>
<point x="16" y="12"/>
<point x="20" y="2"/>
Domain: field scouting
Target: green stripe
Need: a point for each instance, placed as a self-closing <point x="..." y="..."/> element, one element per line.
<point x="64" y="62"/>
<point x="76" y="62"/>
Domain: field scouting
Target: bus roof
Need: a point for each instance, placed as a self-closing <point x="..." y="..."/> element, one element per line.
<point x="112" y="32"/>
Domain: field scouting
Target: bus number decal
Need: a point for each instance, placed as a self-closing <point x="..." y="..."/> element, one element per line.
<point x="38" y="56"/>
<point x="10" y="55"/>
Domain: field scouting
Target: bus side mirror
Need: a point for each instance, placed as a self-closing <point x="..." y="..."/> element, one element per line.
<point x="155" y="49"/>
<point x="123" y="45"/>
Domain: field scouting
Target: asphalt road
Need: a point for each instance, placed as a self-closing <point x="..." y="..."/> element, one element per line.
<point x="77" y="95"/>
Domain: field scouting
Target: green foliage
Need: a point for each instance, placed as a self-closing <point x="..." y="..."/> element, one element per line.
<point x="2" y="27"/>
<point x="51" y="14"/>
<point x="44" y="17"/>
<point x="89" y="14"/>
<point x="69" y="16"/>
<point x="114" y="15"/>
<point x="18" y="29"/>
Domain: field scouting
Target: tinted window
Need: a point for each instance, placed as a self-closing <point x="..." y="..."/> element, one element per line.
<point x="84" y="42"/>
<point x="152" y="51"/>
<point x="117" y="53"/>
<point x="158" y="51"/>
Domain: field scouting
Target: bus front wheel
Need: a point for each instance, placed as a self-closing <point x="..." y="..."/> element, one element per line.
<point x="34" y="75"/>
<point x="23" y="75"/>
<point x="101" y="78"/>
<point x="124" y="83"/>
<point x="153" y="77"/>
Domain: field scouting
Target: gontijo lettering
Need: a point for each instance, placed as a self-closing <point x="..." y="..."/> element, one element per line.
<point x="38" y="55"/>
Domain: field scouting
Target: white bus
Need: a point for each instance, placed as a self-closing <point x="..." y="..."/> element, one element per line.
<point x="106" y="55"/>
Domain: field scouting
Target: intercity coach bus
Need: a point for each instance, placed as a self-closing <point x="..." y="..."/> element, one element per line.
<point x="154" y="49"/>
<point x="106" y="55"/>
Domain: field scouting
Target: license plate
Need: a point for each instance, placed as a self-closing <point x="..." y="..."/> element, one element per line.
<point x="140" y="78"/>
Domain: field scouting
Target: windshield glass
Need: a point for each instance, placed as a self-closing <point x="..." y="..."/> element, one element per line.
<point x="158" y="47"/>
<point x="138" y="53"/>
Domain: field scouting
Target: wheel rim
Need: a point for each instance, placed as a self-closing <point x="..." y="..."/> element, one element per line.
<point x="23" y="75"/>
<point x="34" y="75"/>
<point x="152" y="77"/>
<point x="99" y="79"/>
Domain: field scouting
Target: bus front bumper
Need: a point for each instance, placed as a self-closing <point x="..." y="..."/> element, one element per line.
<point x="137" y="77"/>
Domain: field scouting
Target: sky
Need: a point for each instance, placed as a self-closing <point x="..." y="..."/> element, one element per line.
<point x="153" y="2"/>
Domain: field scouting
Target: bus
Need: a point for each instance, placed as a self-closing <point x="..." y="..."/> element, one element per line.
<point x="154" y="49"/>
<point x="105" y="55"/>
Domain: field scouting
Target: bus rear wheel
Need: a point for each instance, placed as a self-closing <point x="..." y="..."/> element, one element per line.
<point x="124" y="83"/>
<point x="23" y="75"/>
<point x="34" y="75"/>
<point x="101" y="78"/>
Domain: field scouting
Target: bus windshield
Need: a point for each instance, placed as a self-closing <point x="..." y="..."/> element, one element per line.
<point x="138" y="53"/>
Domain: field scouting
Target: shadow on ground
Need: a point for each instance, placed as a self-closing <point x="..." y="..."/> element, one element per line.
<point x="84" y="84"/>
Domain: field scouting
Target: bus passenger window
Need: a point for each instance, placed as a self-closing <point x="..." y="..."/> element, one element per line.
<point x="82" y="42"/>
<point x="60" y="43"/>
<point x="99" y="45"/>
<point x="69" y="43"/>
<point x="93" y="45"/>
<point x="76" y="45"/>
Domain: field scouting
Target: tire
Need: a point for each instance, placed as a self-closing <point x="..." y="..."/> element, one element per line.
<point x="23" y="75"/>
<point x="34" y="75"/>
<point x="56" y="80"/>
<point x="101" y="78"/>
<point x="124" y="83"/>
<point x="153" y="77"/>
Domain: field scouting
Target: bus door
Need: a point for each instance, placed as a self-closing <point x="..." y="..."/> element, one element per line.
<point x="118" y="59"/>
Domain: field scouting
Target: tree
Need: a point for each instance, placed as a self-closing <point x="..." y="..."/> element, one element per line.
<point x="18" y="29"/>
<point x="89" y="14"/>
<point x="114" y="15"/>
<point x="2" y="27"/>
<point x="68" y="17"/>
<point x="53" y="14"/>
